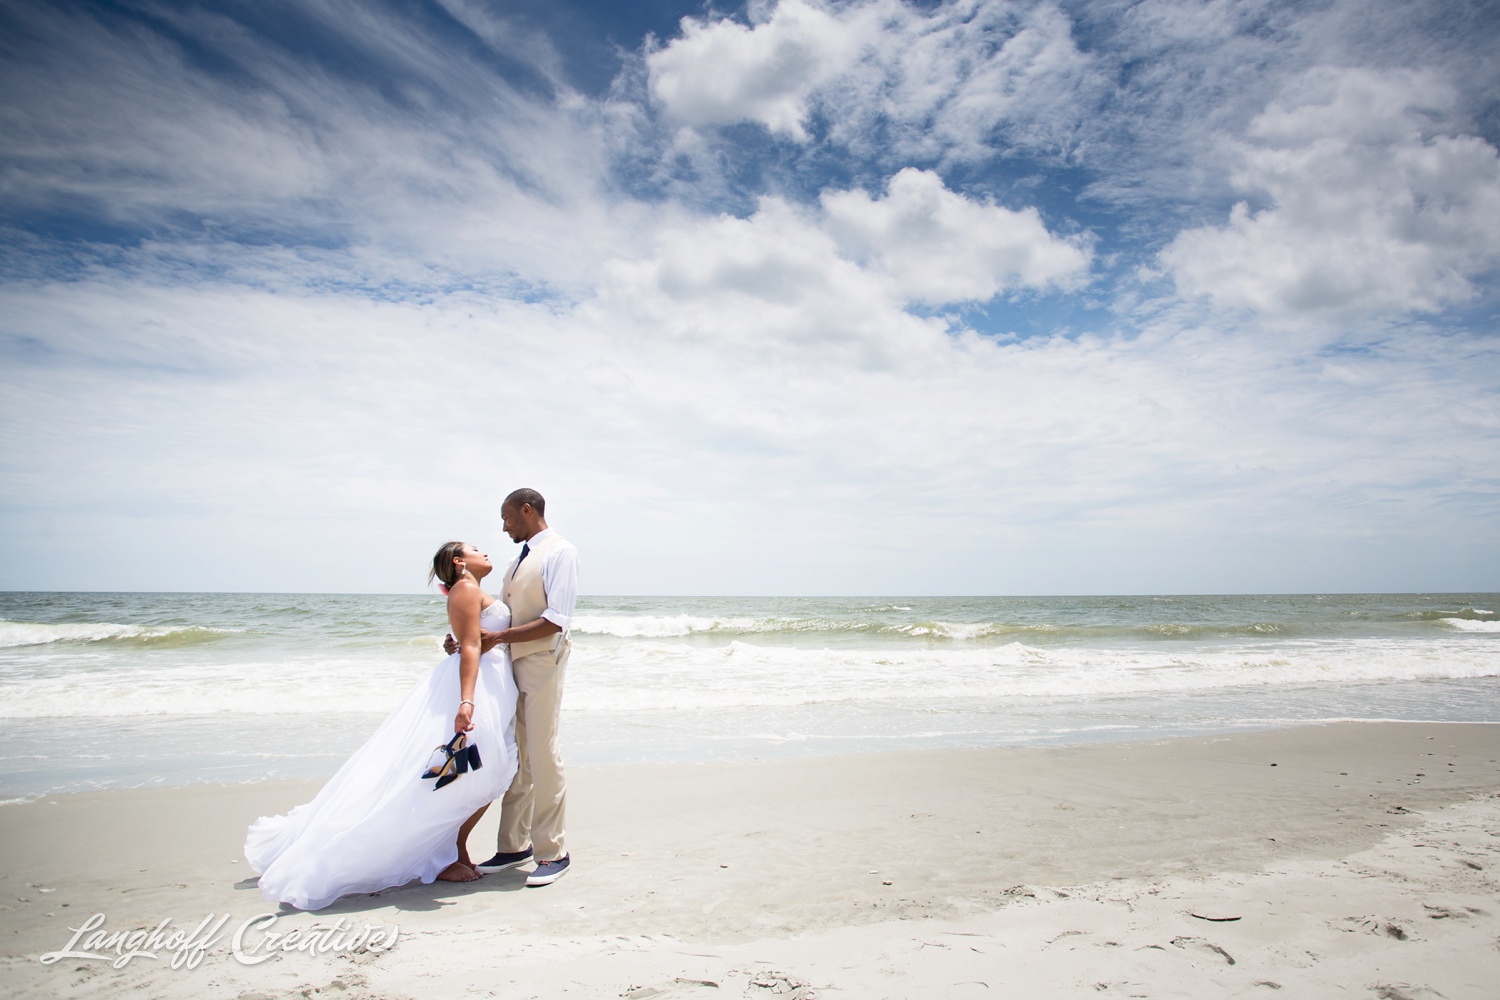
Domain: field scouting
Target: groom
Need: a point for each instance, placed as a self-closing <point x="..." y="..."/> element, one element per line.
<point x="540" y="588"/>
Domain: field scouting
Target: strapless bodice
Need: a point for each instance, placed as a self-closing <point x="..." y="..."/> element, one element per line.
<point x="495" y="617"/>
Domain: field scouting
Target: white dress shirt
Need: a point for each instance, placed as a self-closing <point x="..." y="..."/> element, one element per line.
<point x="559" y="579"/>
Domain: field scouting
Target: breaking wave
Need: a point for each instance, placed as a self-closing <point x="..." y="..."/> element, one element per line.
<point x="13" y="633"/>
<point x="1471" y="625"/>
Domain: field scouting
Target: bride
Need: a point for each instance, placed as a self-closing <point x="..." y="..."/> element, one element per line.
<point x="377" y="824"/>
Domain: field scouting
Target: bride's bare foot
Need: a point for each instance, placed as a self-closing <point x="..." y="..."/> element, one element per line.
<point x="457" y="872"/>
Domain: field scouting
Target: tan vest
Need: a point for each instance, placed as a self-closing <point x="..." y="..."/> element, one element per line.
<point x="524" y="594"/>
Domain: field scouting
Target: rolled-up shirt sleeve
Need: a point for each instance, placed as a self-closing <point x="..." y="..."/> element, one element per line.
<point x="560" y="580"/>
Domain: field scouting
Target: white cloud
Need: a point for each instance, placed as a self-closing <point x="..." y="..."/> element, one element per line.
<point x="836" y="283"/>
<point x="964" y="82"/>
<point x="945" y="79"/>
<point x="1374" y="206"/>
<point x="773" y="285"/>
<point x="936" y="246"/>
<point x="720" y="72"/>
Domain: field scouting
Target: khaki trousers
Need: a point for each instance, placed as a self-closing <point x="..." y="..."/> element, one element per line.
<point x="531" y="811"/>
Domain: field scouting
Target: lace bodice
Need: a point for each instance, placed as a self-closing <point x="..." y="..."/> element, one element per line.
<point x="495" y="617"/>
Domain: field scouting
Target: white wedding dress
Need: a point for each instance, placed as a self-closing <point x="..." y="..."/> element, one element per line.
<point x="377" y="823"/>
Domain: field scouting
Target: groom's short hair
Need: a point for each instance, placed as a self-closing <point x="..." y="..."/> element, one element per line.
<point x="526" y="496"/>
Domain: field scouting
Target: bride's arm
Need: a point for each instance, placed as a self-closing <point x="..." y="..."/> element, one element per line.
<point x="463" y="617"/>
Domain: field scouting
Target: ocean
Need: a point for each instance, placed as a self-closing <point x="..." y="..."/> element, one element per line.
<point x="117" y="690"/>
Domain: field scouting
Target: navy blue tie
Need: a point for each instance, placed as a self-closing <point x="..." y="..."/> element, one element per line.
<point x="525" y="551"/>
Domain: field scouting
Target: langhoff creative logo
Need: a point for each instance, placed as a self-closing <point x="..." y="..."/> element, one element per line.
<point x="252" y="943"/>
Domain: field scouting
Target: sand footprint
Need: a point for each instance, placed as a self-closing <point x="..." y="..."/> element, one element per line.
<point x="1372" y="925"/>
<point x="1403" y="991"/>
<point x="677" y="987"/>
<point x="1065" y="934"/>
<point x="775" y="983"/>
<point x="1205" y="947"/>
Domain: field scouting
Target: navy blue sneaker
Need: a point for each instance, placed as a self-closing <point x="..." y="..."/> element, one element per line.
<point x="503" y="862"/>
<point x="548" y="872"/>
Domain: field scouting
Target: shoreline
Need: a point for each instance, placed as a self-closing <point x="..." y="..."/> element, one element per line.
<point x="595" y="746"/>
<point x="679" y="856"/>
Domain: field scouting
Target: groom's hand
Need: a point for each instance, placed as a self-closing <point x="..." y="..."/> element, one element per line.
<point x="487" y="642"/>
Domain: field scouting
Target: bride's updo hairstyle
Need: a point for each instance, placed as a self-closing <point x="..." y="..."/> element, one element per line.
<point x="443" y="569"/>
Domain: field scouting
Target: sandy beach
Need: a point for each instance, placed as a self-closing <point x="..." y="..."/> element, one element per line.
<point x="1354" y="859"/>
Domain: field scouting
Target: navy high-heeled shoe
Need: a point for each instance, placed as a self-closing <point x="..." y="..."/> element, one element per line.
<point x="451" y="760"/>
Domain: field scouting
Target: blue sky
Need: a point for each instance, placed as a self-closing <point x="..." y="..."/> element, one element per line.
<point x="790" y="297"/>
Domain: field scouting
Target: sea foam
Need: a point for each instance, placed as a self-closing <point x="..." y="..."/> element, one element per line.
<point x="671" y="676"/>
<point x="1471" y="625"/>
